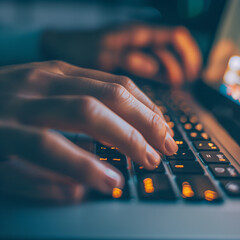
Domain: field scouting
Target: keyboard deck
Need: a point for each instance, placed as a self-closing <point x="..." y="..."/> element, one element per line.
<point x="195" y="173"/>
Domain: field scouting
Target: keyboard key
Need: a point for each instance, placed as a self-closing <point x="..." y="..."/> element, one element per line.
<point x="224" y="171"/>
<point x="140" y="170"/>
<point x="181" y="143"/>
<point x="198" y="127"/>
<point x="103" y="150"/>
<point x="188" y="126"/>
<point x="197" y="188"/>
<point x="193" y="119"/>
<point x="231" y="187"/>
<point x="186" y="167"/>
<point x="205" y="146"/>
<point x="119" y="162"/>
<point x="213" y="157"/>
<point x="194" y="135"/>
<point x="182" y="154"/>
<point x="154" y="186"/>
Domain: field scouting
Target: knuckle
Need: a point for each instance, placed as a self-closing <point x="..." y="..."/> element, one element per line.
<point x="119" y="93"/>
<point x="134" y="137"/>
<point x="45" y="138"/>
<point x="157" y="123"/>
<point x="126" y="82"/>
<point x="88" y="107"/>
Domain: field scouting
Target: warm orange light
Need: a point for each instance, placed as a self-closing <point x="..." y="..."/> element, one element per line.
<point x="114" y="148"/>
<point x="187" y="191"/>
<point x="193" y="119"/>
<point x="103" y="159"/>
<point x="183" y="119"/>
<point x="222" y="160"/>
<point x="188" y="126"/>
<point x="179" y="166"/>
<point x="210" y="195"/>
<point x="193" y="134"/>
<point x="103" y="147"/>
<point x="179" y="142"/>
<point x="199" y="127"/>
<point x="116" y="193"/>
<point x="148" y="185"/>
<point x="204" y="135"/>
<point x="171" y="124"/>
<point x="116" y="159"/>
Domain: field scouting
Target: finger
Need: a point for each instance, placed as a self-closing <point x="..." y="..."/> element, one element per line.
<point x="88" y="115"/>
<point x="117" y="98"/>
<point x="70" y="70"/>
<point x="54" y="152"/>
<point x="188" y="51"/>
<point x="140" y="64"/>
<point x="24" y="180"/>
<point x="172" y="67"/>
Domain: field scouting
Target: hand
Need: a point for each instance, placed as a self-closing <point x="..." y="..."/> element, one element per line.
<point x="169" y="55"/>
<point x="55" y="95"/>
<point x="161" y="54"/>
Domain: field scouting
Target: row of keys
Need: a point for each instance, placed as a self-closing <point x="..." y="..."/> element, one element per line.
<point x="209" y="153"/>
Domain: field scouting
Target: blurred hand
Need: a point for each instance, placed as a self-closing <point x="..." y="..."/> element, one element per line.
<point x="168" y="55"/>
<point x="42" y="164"/>
<point x="161" y="54"/>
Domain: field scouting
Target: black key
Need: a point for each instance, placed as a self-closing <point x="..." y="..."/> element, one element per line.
<point x="231" y="187"/>
<point x="194" y="135"/>
<point x="213" y="157"/>
<point x="224" y="171"/>
<point x="205" y="146"/>
<point x="186" y="167"/>
<point x="140" y="170"/>
<point x="197" y="188"/>
<point x="102" y="150"/>
<point x="182" y="154"/>
<point x="119" y="162"/>
<point x="154" y="186"/>
<point x="181" y="143"/>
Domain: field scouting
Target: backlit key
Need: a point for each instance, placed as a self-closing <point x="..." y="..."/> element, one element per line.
<point x="224" y="171"/>
<point x="182" y="154"/>
<point x="140" y="170"/>
<point x="213" y="157"/>
<point x="205" y="146"/>
<point x="197" y="188"/>
<point x="181" y="143"/>
<point x="187" y="167"/>
<point x="155" y="187"/>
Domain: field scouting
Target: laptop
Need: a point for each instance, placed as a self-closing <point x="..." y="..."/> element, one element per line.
<point x="194" y="194"/>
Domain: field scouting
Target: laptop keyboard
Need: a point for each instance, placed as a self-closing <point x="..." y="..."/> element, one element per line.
<point x="182" y="175"/>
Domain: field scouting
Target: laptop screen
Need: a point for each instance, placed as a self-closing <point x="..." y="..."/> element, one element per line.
<point x="223" y="67"/>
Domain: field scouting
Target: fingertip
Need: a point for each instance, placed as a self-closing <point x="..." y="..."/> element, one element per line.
<point x="170" y="145"/>
<point x="112" y="179"/>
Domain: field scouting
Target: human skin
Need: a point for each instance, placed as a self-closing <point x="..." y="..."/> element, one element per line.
<point x="44" y="165"/>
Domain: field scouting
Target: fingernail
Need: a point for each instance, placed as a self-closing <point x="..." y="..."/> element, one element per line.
<point x="152" y="156"/>
<point x="170" y="144"/>
<point x="113" y="179"/>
